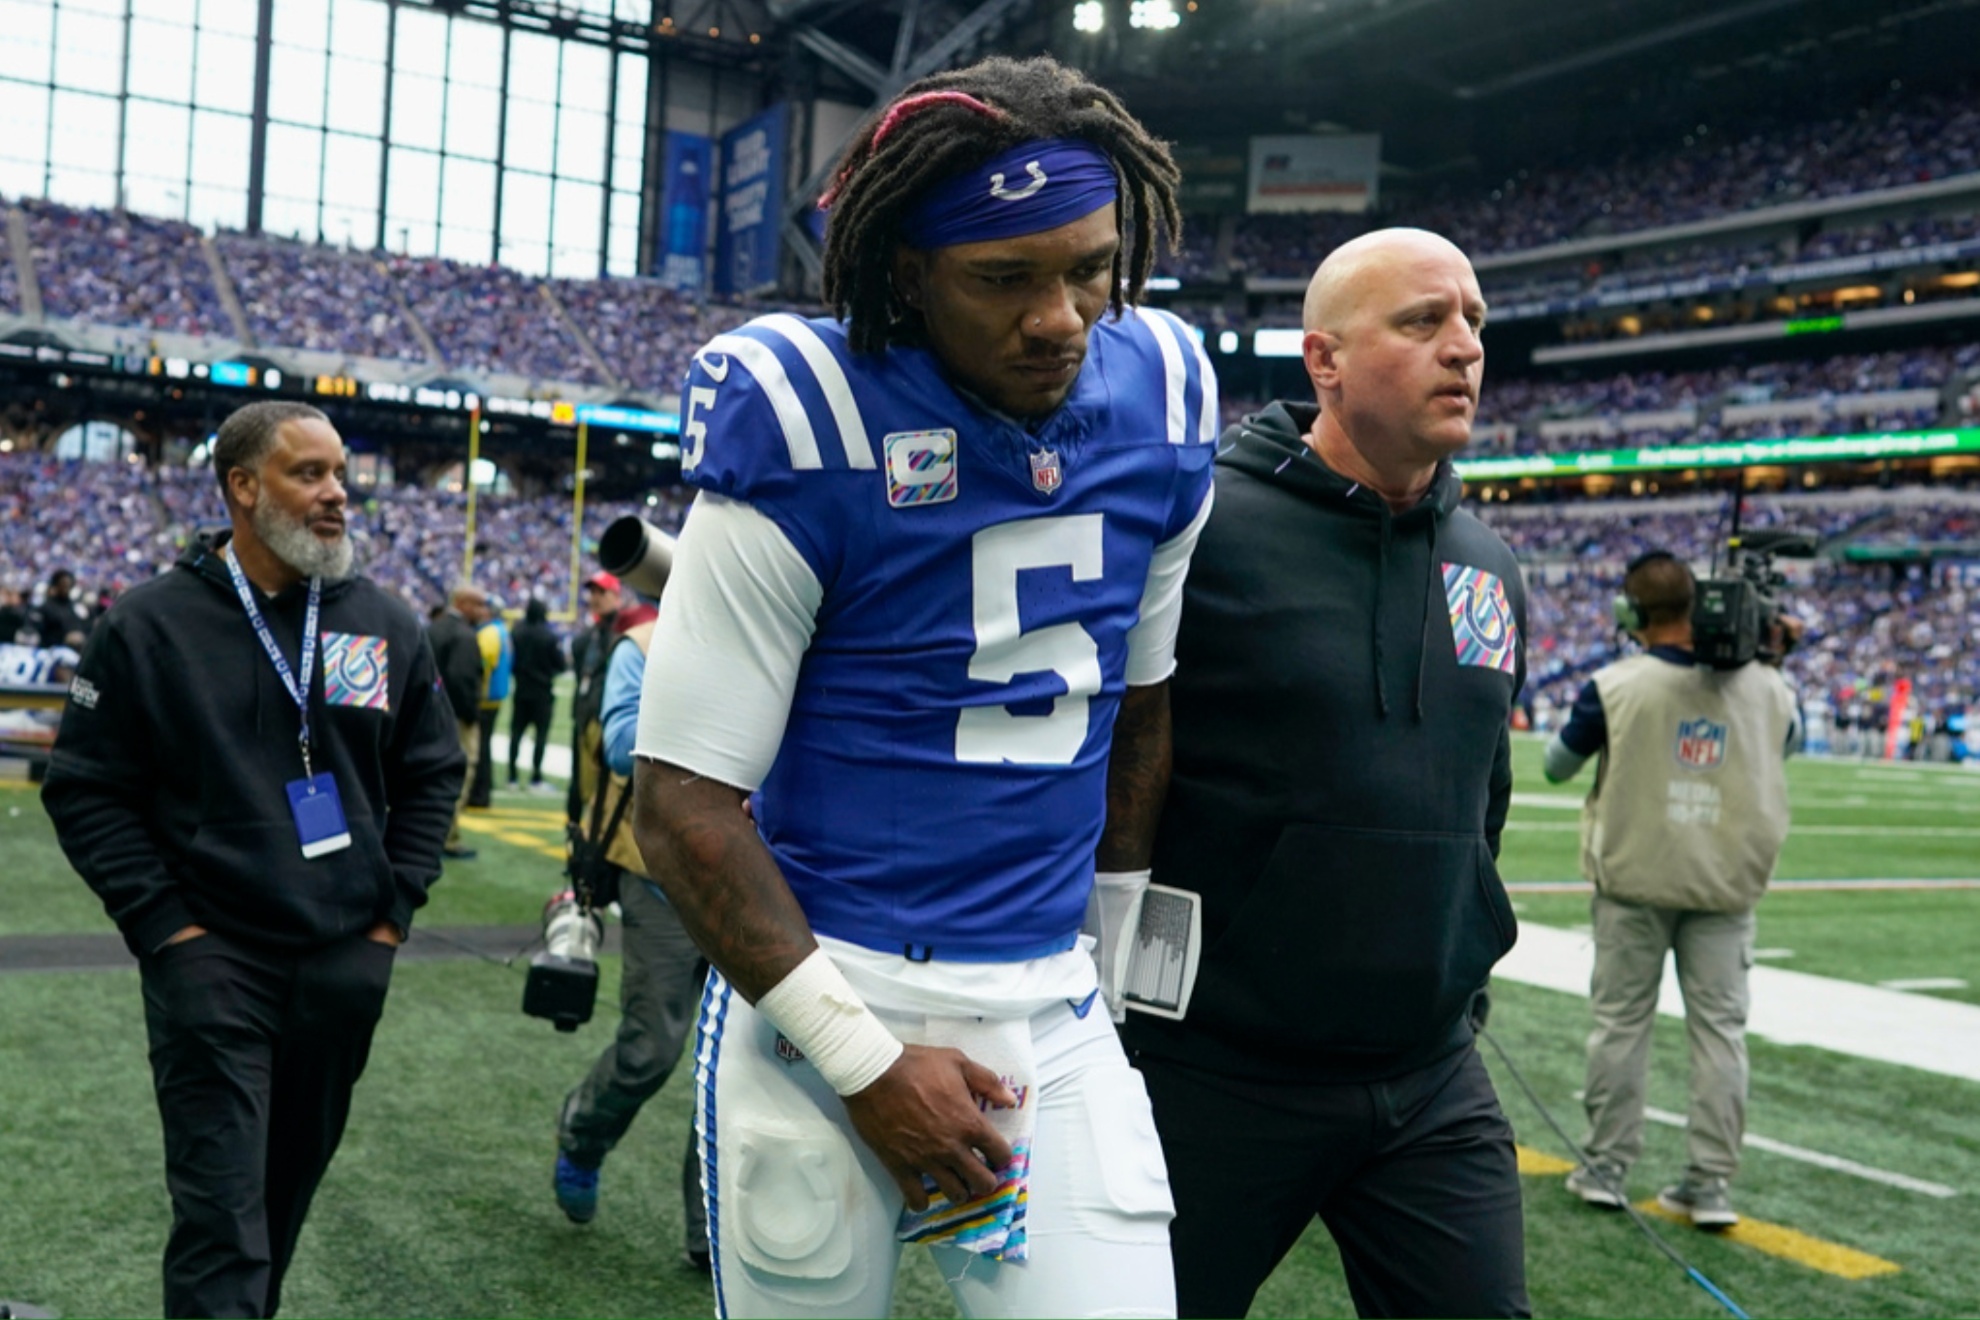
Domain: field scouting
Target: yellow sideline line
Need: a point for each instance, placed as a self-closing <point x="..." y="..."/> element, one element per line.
<point x="1773" y="1239"/>
<point x="1792" y="1244"/>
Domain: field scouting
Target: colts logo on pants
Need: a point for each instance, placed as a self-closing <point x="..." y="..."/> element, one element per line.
<point x="1701" y="744"/>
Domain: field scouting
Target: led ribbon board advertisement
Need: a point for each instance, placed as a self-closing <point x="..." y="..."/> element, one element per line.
<point x="1732" y="453"/>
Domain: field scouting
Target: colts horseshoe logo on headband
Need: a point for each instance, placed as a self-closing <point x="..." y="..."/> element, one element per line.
<point x="1002" y="193"/>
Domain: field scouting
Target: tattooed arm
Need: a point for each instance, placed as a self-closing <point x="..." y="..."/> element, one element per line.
<point x="1137" y="779"/>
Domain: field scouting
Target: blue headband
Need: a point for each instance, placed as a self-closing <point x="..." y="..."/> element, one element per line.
<point x="1033" y="187"/>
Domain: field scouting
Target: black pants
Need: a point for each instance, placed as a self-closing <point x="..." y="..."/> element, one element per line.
<point x="484" y="767"/>
<point x="1415" y="1177"/>
<point x="254" y="1052"/>
<point x="528" y="713"/>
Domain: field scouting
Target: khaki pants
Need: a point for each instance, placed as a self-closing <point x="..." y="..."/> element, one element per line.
<point x="1714" y="952"/>
<point x="471" y="748"/>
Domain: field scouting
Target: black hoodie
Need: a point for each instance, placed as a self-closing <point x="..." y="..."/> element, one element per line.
<point x="166" y="784"/>
<point x="1342" y="768"/>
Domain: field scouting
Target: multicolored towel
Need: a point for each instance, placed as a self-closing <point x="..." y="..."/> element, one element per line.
<point x="991" y="1225"/>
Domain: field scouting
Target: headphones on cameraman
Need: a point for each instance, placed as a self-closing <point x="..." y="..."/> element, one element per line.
<point x="1629" y="612"/>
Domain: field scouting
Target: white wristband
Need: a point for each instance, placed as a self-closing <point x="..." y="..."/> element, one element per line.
<point x="830" y="1024"/>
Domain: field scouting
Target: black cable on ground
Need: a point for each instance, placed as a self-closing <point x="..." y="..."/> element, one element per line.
<point x="1696" y="1275"/>
<point x="510" y="961"/>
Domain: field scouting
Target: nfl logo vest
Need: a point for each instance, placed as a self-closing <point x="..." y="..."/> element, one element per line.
<point x="1045" y="473"/>
<point x="1701" y="744"/>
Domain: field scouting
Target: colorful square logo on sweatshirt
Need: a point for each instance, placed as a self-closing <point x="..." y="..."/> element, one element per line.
<point x="354" y="671"/>
<point x="1482" y="624"/>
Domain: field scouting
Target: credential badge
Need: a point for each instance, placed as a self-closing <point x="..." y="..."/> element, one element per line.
<point x="1046" y="475"/>
<point x="921" y="468"/>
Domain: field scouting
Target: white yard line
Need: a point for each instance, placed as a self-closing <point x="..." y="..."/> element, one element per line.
<point x="1908" y="831"/>
<point x="1790" y="1008"/>
<point x="1925" y="983"/>
<point x="1836" y="1162"/>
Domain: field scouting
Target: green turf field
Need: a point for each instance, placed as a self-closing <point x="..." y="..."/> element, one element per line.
<point x="439" y="1203"/>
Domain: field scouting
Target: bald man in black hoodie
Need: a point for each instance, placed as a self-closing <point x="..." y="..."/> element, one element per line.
<point x="1350" y="648"/>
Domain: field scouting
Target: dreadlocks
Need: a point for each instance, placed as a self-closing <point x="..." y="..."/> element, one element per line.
<point x="951" y="122"/>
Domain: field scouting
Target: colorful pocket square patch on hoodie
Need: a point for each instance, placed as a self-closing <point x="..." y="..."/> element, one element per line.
<point x="1482" y="626"/>
<point x="354" y="671"/>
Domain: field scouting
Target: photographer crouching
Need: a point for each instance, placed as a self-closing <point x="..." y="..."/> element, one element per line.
<point x="1679" y="837"/>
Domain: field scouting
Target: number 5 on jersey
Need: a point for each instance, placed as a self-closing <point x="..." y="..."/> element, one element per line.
<point x="992" y="734"/>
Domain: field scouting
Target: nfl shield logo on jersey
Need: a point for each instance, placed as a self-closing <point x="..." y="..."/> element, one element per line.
<point x="1045" y="472"/>
<point x="1701" y="744"/>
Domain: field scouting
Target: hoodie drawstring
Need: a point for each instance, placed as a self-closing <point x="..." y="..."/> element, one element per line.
<point x="1381" y="577"/>
<point x="1430" y="598"/>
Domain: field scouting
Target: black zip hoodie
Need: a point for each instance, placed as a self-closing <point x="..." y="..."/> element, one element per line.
<point x="1342" y="768"/>
<point x="166" y="784"/>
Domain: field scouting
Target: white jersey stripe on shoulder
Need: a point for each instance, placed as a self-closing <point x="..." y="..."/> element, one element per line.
<point x="832" y="380"/>
<point x="1172" y="368"/>
<point x="1212" y="423"/>
<point x="761" y="362"/>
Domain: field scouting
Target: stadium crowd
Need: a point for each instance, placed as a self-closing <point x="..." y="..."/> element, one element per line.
<point x="300" y="295"/>
<point x="114" y="268"/>
<point x="1867" y="623"/>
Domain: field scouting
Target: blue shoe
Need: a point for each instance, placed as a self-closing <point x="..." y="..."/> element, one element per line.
<point x="577" y="1190"/>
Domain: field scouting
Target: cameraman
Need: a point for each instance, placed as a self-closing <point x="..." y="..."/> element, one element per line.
<point x="660" y="981"/>
<point x="1679" y="836"/>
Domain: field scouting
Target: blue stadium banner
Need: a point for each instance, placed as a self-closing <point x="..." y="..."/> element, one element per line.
<point x="748" y="235"/>
<point x="683" y="262"/>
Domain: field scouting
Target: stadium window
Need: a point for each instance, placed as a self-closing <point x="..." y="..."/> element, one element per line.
<point x="473" y="116"/>
<point x="574" y="249"/>
<point x="89" y="47"/>
<point x="82" y="148"/>
<point x="24" y="146"/>
<point x="622" y="249"/>
<point x="417" y="105"/>
<point x="356" y="103"/>
<point x="467" y="203"/>
<point x="580" y="145"/>
<point x="296" y="86"/>
<point x="295" y="173"/>
<point x="350" y="206"/>
<point x="357" y="30"/>
<point x="525" y="238"/>
<point x="27" y="40"/>
<point x="474" y="55"/>
<point x="164" y="73"/>
<point x="157" y="147"/>
<point x="302" y="24"/>
<point x="224" y="68"/>
<point x="412" y="202"/>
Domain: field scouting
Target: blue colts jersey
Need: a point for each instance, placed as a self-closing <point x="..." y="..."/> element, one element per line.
<point x="941" y="784"/>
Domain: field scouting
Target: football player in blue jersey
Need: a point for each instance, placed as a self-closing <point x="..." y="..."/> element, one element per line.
<point x="908" y="692"/>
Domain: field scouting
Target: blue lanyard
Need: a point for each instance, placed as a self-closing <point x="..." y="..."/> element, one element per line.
<point x="299" y="693"/>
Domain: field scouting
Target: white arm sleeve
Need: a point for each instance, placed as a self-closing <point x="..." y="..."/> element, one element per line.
<point x="739" y="610"/>
<point x="1152" y="642"/>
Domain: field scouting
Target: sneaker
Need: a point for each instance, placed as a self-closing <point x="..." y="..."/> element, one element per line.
<point x="1705" y="1203"/>
<point x="577" y="1190"/>
<point x="1598" y="1187"/>
<point x="459" y="854"/>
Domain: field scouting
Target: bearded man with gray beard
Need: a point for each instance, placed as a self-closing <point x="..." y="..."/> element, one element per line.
<point x="255" y="773"/>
